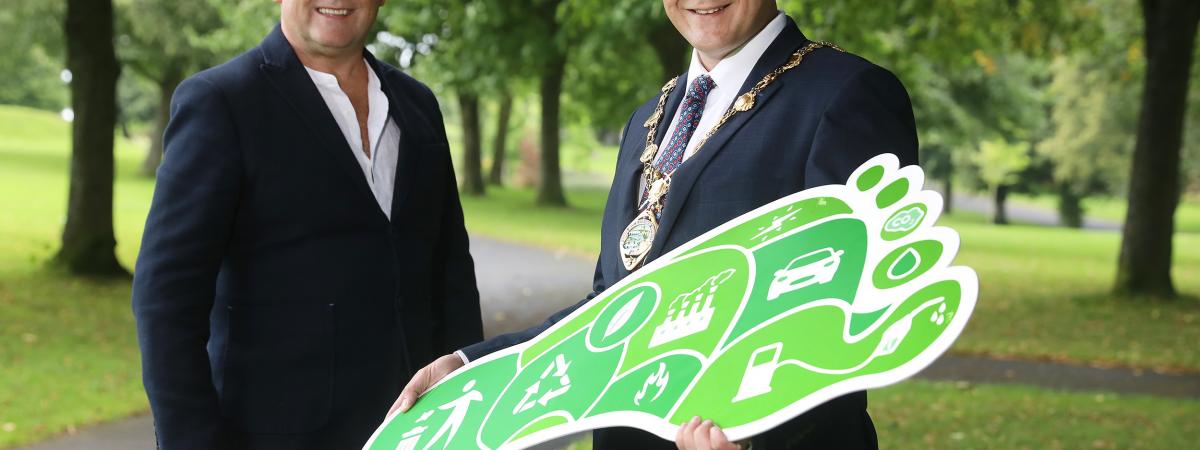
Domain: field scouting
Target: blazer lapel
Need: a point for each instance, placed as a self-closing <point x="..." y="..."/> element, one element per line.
<point x="629" y="168"/>
<point x="284" y="70"/>
<point x="629" y="171"/>
<point x="408" y="156"/>
<point x="669" y="110"/>
<point x="686" y="175"/>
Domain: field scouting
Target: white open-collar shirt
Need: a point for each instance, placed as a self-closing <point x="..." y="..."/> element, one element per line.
<point x="729" y="74"/>
<point x="380" y="168"/>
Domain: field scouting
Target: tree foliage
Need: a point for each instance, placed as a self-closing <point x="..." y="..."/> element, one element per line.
<point x="1092" y="123"/>
<point x="160" y="43"/>
<point x="32" y="54"/>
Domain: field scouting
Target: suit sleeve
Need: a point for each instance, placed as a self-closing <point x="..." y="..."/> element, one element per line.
<point x="457" y="300"/>
<point x="871" y="114"/>
<point x="187" y="232"/>
<point x="504" y="341"/>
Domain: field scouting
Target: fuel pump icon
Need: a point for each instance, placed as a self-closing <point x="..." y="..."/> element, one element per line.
<point x="760" y="369"/>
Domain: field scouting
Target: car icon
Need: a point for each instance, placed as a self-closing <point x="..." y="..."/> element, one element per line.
<point x="816" y="267"/>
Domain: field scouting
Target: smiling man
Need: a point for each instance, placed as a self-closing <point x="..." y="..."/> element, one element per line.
<point x="762" y="112"/>
<point x="305" y="248"/>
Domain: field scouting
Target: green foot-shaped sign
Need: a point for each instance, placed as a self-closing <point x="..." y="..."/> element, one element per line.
<point x="828" y="291"/>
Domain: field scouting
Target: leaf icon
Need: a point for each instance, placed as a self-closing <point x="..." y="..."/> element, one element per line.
<point x="622" y="316"/>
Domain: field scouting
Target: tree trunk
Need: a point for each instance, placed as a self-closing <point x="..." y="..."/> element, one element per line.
<point x="669" y="47"/>
<point x="468" y="104"/>
<point x="948" y="202"/>
<point x="124" y="124"/>
<point x="88" y="242"/>
<point x="496" y="176"/>
<point x="1144" y="265"/>
<point x="550" y="190"/>
<point x="166" y="87"/>
<point x="1070" y="207"/>
<point x="999" y="213"/>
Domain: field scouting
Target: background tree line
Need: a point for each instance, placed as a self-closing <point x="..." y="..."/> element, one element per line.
<point x="1075" y="98"/>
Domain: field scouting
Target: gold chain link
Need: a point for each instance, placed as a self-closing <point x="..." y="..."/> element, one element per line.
<point x="742" y="103"/>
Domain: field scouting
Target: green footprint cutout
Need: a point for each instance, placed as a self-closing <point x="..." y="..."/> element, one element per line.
<point x="828" y="291"/>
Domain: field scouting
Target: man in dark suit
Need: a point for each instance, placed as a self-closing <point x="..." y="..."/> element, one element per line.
<point x="811" y="125"/>
<point x="305" y="250"/>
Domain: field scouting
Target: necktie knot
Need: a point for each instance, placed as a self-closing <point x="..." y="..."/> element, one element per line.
<point x="701" y="86"/>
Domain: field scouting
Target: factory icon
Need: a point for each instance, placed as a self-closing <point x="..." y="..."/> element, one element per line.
<point x="691" y="312"/>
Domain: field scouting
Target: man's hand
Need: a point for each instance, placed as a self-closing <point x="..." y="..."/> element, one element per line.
<point x="697" y="435"/>
<point x="423" y="379"/>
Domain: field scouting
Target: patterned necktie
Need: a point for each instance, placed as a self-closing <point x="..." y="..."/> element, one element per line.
<point x="689" y="116"/>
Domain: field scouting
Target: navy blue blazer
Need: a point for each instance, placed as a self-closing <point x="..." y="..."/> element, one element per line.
<point x="812" y="127"/>
<point x="276" y="304"/>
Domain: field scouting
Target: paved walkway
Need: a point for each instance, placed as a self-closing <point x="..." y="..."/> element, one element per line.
<point x="1067" y="377"/>
<point x="514" y="298"/>
<point x="1025" y="213"/>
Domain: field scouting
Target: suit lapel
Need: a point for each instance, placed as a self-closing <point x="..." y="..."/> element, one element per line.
<point x="629" y="171"/>
<point x="285" y="72"/>
<point x="669" y="110"/>
<point x="629" y="168"/>
<point x="686" y="176"/>
<point x="408" y="155"/>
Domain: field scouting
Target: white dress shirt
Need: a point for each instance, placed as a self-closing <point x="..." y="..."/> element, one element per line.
<point x="379" y="168"/>
<point x="729" y="74"/>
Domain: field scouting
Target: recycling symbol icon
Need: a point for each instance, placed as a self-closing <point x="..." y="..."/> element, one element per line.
<point x="557" y="368"/>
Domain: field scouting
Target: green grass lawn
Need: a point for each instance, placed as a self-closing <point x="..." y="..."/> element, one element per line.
<point x="1044" y="293"/>
<point x="939" y="415"/>
<point x="510" y="214"/>
<point x="68" y="353"/>
<point x="944" y="415"/>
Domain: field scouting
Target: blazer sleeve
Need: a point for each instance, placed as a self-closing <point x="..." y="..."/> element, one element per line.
<point x="460" y="323"/>
<point x="871" y="114"/>
<point x="187" y="232"/>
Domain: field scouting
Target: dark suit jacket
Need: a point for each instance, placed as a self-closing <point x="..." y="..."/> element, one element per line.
<point x="276" y="304"/>
<point x="811" y="127"/>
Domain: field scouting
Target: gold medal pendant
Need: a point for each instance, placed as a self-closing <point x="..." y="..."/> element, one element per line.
<point x="637" y="239"/>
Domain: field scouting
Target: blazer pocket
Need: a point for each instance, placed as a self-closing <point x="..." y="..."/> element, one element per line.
<point x="279" y="367"/>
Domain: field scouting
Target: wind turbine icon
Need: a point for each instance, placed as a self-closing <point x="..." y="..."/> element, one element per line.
<point x="777" y="223"/>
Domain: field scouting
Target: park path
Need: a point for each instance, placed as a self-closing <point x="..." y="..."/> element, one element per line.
<point x="1026" y="213"/>
<point x="519" y="286"/>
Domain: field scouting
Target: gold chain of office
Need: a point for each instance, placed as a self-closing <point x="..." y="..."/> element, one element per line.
<point x="637" y="238"/>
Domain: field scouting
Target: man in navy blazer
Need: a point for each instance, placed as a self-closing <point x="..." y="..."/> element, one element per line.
<point x="811" y="126"/>
<point x="305" y="250"/>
